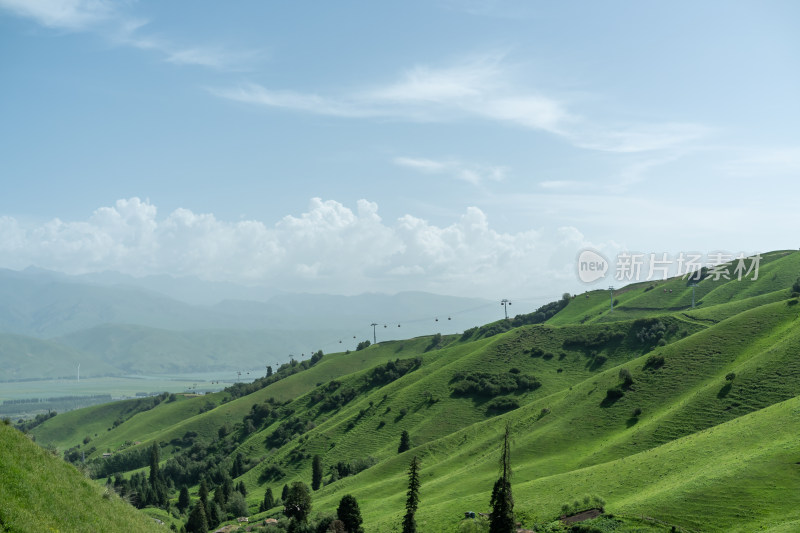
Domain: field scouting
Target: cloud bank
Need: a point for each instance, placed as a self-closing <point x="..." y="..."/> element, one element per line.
<point x="329" y="248"/>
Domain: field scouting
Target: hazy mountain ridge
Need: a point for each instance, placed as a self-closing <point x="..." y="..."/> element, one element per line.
<point x="117" y="327"/>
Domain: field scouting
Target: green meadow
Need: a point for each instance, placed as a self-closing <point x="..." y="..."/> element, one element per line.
<point x="677" y="417"/>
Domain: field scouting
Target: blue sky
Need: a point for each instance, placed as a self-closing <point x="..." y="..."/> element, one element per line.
<point x="461" y="147"/>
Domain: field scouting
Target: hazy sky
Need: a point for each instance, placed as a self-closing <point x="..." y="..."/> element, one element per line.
<point x="460" y="147"/>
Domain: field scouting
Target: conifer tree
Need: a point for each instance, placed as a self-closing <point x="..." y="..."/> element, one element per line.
<point x="183" y="500"/>
<point x="203" y="492"/>
<point x="238" y="466"/>
<point x="153" y="465"/>
<point x="350" y="515"/>
<point x="197" y="522"/>
<point x="501" y="519"/>
<point x="284" y="492"/>
<point x="405" y="442"/>
<point x="269" y="501"/>
<point x="316" y="473"/>
<point x="412" y="498"/>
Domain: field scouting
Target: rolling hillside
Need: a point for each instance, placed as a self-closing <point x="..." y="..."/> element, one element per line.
<point x="39" y="492"/>
<point x="688" y="416"/>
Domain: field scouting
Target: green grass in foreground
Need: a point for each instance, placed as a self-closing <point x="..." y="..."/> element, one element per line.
<point x="40" y="492"/>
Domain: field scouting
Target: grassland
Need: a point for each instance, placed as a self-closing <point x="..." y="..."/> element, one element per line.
<point x="700" y="432"/>
<point x="40" y="492"/>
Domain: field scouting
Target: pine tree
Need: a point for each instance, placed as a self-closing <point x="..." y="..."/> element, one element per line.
<point x="350" y="515"/>
<point x="203" y="492"/>
<point x="412" y="498"/>
<point x="238" y="466"/>
<point x="157" y="493"/>
<point x="153" y="465"/>
<point x="269" y="501"/>
<point x="501" y="519"/>
<point x="242" y="488"/>
<point x="197" y="522"/>
<point x="316" y="473"/>
<point x="183" y="499"/>
<point x="285" y="492"/>
<point x="219" y="496"/>
<point x="405" y="442"/>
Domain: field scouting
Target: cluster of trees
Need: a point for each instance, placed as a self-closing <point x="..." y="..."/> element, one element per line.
<point x="542" y="314"/>
<point x="297" y="503"/>
<point x="238" y="390"/>
<point x="142" y="490"/>
<point x="227" y="502"/>
<point x="594" y="341"/>
<point x="286" y="431"/>
<point x="651" y="332"/>
<point x="27" y="425"/>
<point x="333" y="395"/>
<point x="362" y="345"/>
<point x="487" y="384"/>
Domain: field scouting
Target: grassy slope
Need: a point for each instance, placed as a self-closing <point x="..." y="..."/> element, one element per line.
<point x="583" y="445"/>
<point x="777" y="272"/>
<point x="580" y="433"/>
<point x="72" y="502"/>
<point x="172" y="420"/>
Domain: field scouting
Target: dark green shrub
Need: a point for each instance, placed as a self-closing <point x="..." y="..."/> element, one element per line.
<point x="654" y="361"/>
<point x="614" y="393"/>
<point x="363" y="344"/>
<point x="501" y="405"/>
<point x="730" y="376"/>
<point x="489" y="385"/>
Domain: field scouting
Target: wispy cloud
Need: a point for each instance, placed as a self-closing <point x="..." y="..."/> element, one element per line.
<point x="471" y="173"/>
<point x="764" y="162"/>
<point x="256" y="94"/>
<point x="105" y="18"/>
<point x="479" y="87"/>
<point x="75" y="15"/>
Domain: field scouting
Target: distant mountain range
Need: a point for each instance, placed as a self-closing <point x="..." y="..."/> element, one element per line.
<point x="119" y="324"/>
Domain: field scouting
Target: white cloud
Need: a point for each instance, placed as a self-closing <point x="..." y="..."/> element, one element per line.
<point x="103" y="17"/>
<point x="471" y="173"/>
<point x="328" y="248"/>
<point x="250" y="93"/>
<point x="62" y="14"/>
<point x="638" y="137"/>
<point x="765" y="163"/>
<point x="479" y="87"/>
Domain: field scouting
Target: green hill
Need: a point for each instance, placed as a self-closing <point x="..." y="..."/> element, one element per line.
<point x="40" y="492"/>
<point x="687" y="416"/>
